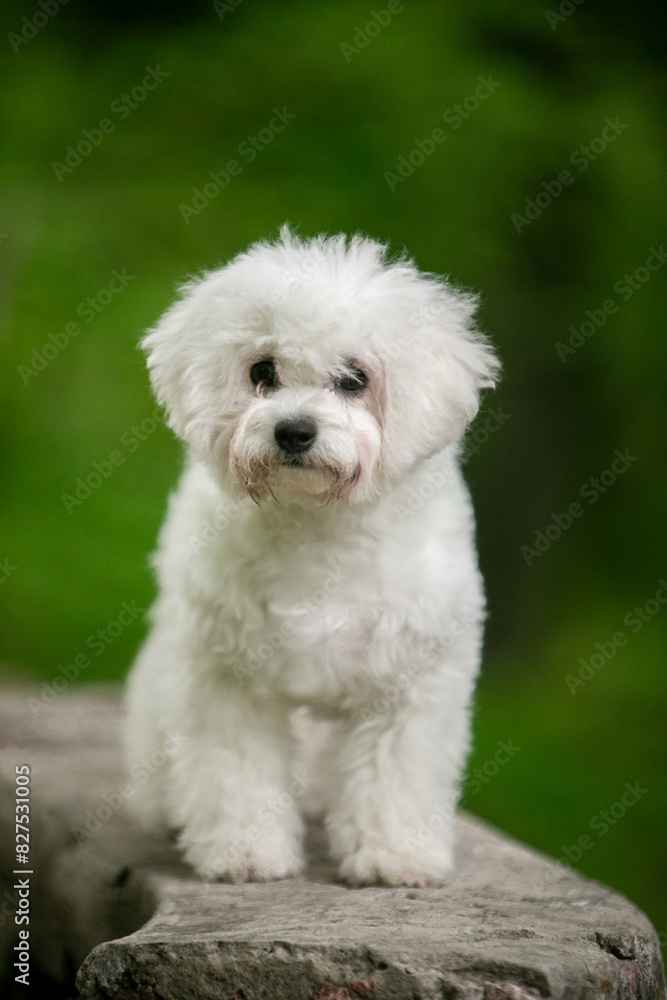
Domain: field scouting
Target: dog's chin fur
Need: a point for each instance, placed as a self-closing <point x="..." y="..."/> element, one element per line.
<point x="294" y="482"/>
<point x="339" y="580"/>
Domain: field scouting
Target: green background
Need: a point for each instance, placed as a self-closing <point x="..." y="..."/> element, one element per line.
<point x="357" y="111"/>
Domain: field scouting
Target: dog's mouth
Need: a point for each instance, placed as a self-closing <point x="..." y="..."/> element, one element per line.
<point x="274" y="478"/>
<point x="296" y="462"/>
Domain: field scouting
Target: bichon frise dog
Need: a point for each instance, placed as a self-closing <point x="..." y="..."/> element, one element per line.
<point x="317" y="563"/>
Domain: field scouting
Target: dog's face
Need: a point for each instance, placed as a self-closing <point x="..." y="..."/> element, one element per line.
<point x="310" y="371"/>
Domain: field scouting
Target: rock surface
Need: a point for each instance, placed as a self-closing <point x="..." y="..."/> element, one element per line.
<point x="509" y="925"/>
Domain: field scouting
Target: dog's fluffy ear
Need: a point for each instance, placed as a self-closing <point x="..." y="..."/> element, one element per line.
<point x="444" y="362"/>
<point x="463" y="364"/>
<point x="185" y="372"/>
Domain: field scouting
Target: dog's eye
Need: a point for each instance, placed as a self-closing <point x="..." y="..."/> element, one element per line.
<point x="264" y="373"/>
<point x="353" y="381"/>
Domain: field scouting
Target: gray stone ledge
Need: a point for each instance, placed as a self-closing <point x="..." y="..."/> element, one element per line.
<point x="510" y="924"/>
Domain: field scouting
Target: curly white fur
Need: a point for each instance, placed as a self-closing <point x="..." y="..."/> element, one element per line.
<point x="338" y="598"/>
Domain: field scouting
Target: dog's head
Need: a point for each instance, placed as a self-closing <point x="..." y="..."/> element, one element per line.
<point x="311" y="370"/>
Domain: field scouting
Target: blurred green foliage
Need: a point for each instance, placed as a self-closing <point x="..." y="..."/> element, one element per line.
<point x="363" y="98"/>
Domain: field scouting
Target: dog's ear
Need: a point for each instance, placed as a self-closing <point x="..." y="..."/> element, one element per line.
<point x="166" y="347"/>
<point x="187" y="365"/>
<point x="444" y="362"/>
<point x="463" y="363"/>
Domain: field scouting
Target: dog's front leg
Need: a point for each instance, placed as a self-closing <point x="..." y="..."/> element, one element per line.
<point x="398" y="772"/>
<point x="227" y="789"/>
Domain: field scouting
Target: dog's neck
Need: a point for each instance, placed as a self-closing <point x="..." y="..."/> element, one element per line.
<point x="311" y="521"/>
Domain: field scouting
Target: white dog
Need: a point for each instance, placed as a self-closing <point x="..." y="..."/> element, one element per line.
<point x="318" y="555"/>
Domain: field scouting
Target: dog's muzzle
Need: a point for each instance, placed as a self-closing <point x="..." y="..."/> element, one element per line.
<point x="295" y="436"/>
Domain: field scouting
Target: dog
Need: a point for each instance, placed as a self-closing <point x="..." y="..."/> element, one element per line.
<point x="318" y="629"/>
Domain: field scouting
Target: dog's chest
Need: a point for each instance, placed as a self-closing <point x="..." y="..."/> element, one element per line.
<point x="314" y="636"/>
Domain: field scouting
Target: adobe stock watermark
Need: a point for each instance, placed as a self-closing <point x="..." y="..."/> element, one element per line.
<point x="88" y="310"/>
<point x="276" y="805"/>
<point x="102" y="469"/>
<point x="483" y="427"/>
<point x="480" y="776"/>
<point x="249" y="149"/>
<point x="591" y="491"/>
<point x="97" y="642"/>
<point x="397" y="686"/>
<point x="363" y="36"/>
<point x="224" y="7"/>
<point x="454" y="117"/>
<point x="625" y="288"/>
<point x="7" y="568"/>
<point x="444" y="813"/>
<point x="634" y="620"/>
<point x="308" y="608"/>
<point x="441" y="817"/>
<point x="581" y="159"/>
<point x="289" y="282"/>
<point x="121" y="107"/>
<point x="565" y="10"/>
<point x="432" y="480"/>
<point x="426" y="316"/>
<point x="602" y="823"/>
<point x="226" y="513"/>
<point x="31" y="26"/>
<point x="140" y="772"/>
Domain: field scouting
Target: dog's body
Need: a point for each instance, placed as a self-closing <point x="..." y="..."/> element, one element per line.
<point x="331" y="388"/>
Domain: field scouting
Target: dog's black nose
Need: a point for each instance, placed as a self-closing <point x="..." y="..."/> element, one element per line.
<point x="295" y="435"/>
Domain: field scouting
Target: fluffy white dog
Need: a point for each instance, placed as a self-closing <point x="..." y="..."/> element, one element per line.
<point x="318" y="556"/>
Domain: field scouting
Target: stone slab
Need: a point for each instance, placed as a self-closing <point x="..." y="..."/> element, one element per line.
<point x="510" y="924"/>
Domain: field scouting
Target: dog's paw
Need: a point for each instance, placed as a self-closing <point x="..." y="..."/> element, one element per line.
<point x="239" y="859"/>
<point x="373" y="866"/>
